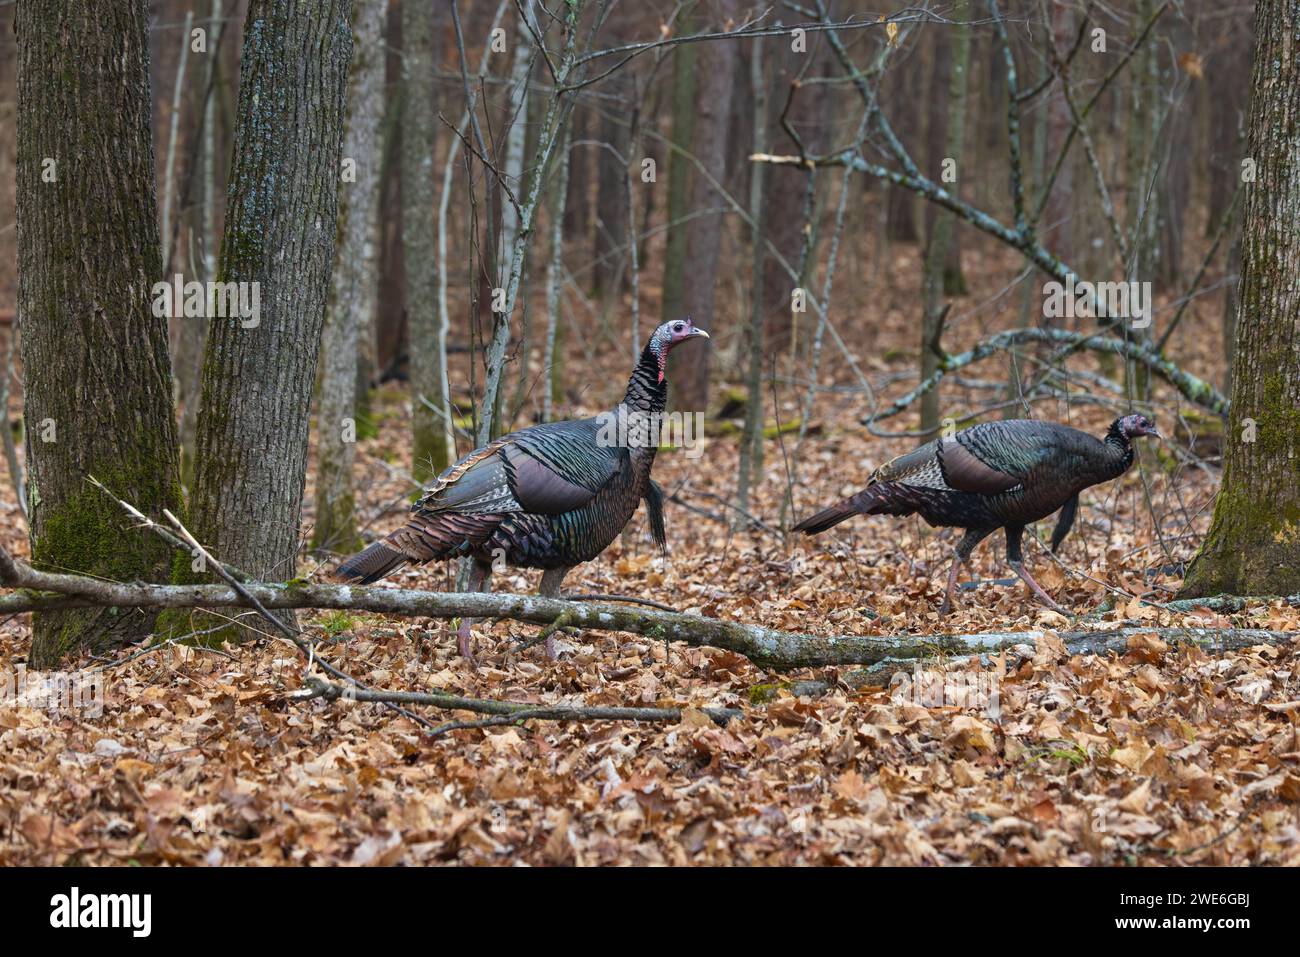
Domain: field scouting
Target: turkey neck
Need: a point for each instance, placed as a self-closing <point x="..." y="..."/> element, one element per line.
<point x="645" y="392"/>
<point x="643" y="404"/>
<point x="1119" y="454"/>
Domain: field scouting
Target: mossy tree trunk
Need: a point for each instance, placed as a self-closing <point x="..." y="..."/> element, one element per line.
<point x="1254" y="542"/>
<point x="98" y="378"/>
<point x="258" y="377"/>
<point x="429" y="450"/>
<point x="354" y="288"/>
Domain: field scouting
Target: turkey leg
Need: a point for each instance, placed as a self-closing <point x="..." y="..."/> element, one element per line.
<point x="1016" y="560"/>
<point x="479" y="577"/>
<point x="967" y="545"/>
<point x="550" y="588"/>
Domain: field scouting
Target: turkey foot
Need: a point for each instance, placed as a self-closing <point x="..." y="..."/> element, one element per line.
<point x="552" y="578"/>
<point x="1028" y="579"/>
<point x="1016" y="560"/>
<point x="950" y="595"/>
<point x="480" y="576"/>
<point x="961" y="555"/>
<point x="462" y="640"/>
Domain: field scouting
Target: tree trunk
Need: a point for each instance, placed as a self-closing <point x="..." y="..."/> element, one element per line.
<point x="1226" y="96"/>
<point x="429" y="452"/>
<point x="557" y="114"/>
<point x="1143" y="126"/>
<point x="787" y="186"/>
<point x="553" y="355"/>
<point x="188" y="360"/>
<point x="577" y="204"/>
<point x="713" y="87"/>
<point x="1253" y="545"/>
<point x="98" y="380"/>
<point x="750" y="466"/>
<point x="609" y="274"/>
<point x="939" y="278"/>
<point x="389" y="333"/>
<point x="904" y="80"/>
<point x="516" y="120"/>
<point x="353" y="295"/>
<point x="679" y="180"/>
<point x="1056" y="228"/>
<point x="258" y="372"/>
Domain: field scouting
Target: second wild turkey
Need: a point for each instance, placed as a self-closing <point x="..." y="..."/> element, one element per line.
<point x="550" y="496"/>
<point x="994" y="475"/>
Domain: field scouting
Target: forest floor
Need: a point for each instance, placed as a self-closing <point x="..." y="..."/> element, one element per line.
<point x="1160" y="755"/>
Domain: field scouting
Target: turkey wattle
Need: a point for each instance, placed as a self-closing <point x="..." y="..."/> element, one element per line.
<point x="994" y="475"/>
<point x="551" y="496"/>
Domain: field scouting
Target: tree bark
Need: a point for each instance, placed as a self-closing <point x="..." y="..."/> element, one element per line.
<point x="609" y="275"/>
<point x="1056" y="228"/>
<point x="553" y="354"/>
<point x="389" y="336"/>
<point x="188" y="360"/>
<point x="749" y="468"/>
<point x="95" y="359"/>
<point x="577" y="204"/>
<point x="679" y="179"/>
<point x="940" y="278"/>
<point x="352" y="299"/>
<point x="787" y="188"/>
<point x="901" y="214"/>
<point x="429" y="452"/>
<point x="713" y="87"/>
<point x="279" y="233"/>
<point x="1253" y="546"/>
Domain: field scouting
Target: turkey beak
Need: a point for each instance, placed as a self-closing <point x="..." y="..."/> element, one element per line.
<point x="698" y="332"/>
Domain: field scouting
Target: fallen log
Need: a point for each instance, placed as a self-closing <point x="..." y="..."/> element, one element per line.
<point x="766" y="647"/>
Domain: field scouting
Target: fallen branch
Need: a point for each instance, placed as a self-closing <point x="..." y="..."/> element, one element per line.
<point x="766" y="647"/>
<point x="1110" y="641"/>
<point x="513" y="711"/>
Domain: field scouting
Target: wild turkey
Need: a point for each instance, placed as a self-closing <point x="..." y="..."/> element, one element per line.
<point x="990" y="476"/>
<point x="550" y="496"/>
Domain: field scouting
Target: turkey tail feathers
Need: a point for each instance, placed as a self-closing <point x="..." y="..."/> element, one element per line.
<point x="371" y="564"/>
<point x="828" y="518"/>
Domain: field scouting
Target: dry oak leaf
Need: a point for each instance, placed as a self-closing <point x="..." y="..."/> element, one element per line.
<point x="971" y="732"/>
<point x="1147" y="647"/>
<point x="851" y="786"/>
<point x="1131" y="757"/>
<point x="1049" y="649"/>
